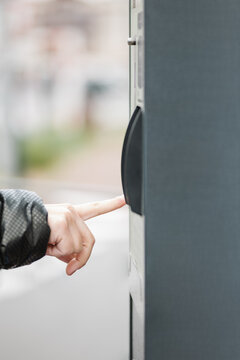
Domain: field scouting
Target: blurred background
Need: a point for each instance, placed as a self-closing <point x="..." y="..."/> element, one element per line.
<point x="63" y="115"/>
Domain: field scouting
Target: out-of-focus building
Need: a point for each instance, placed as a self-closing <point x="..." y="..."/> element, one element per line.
<point x="65" y="62"/>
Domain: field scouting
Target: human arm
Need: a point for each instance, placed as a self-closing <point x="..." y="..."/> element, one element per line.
<point x="29" y="229"/>
<point x="71" y="240"/>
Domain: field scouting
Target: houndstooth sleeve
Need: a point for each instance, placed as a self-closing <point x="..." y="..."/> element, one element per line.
<point x="24" y="228"/>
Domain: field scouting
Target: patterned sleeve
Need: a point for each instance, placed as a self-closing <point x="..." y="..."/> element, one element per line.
<point x="24" y="228"/>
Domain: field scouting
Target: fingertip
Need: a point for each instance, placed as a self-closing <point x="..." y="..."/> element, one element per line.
<point x="68" y="272"/>
<point x="121" y="199"/>
<point x="68" y="268"/>
<point x="72" y="267"/>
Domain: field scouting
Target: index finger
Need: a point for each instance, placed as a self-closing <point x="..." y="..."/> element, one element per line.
<point x="90" y="210"/>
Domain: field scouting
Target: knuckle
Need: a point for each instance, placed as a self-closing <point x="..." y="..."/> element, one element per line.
<point x="68" y="215"/>
<point x="70" y="207"/>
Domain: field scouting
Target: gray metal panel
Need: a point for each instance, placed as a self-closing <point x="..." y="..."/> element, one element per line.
<point x="192" y="179"/>
<point x="136" y="249"/>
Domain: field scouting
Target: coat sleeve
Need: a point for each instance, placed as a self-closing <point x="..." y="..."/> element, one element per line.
<point x="24" y="228"/>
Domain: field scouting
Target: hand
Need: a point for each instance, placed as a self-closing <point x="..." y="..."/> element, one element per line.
<point x="70" y="239"/>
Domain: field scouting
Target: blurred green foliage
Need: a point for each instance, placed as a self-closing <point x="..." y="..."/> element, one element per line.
<point x="43" y="149"/>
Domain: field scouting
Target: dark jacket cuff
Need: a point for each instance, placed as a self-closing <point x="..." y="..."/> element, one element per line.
<point x="24" y="228"/>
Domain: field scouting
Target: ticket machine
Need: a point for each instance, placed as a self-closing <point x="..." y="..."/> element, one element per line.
<point x="181" y="179"/>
